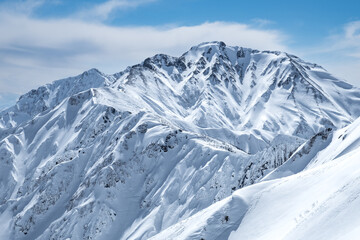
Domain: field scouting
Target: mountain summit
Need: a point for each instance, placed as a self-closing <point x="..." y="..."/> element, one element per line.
<point x="145" y="152"/>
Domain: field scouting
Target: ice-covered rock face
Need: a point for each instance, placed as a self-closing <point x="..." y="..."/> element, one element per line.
<point x="125" y="156"/>
<point x="234" y="93"/>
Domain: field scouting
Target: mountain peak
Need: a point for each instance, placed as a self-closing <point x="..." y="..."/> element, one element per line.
<point x="218" y="44"/>
<point x="92" y="71"/>
<point x="216" y="47"/>
<point x="166" y="138"/>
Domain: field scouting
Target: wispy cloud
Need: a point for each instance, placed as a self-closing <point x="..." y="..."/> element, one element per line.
<point x="20" y="7"/>
<point x="340" y="53"/>
<point x="259" y="22"/>
<point x="101" y="12"/>
<point x="349" y="40"/>
<point x="345" y="42"/>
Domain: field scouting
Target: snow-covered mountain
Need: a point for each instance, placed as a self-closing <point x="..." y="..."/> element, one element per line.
<point x="160" y="149"/>
<point x="319" y="198"/>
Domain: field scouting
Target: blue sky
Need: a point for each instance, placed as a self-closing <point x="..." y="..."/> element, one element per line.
<point x="306" y="21"/>
<point x="46" y="40"/>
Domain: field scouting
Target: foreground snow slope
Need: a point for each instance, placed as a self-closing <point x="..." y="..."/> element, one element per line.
<point x="148" y="150"/>
<point x="320" y="202"/>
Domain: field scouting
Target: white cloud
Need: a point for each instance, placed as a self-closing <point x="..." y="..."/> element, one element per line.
<point x="347" y="41"/>
<point x="102" y="11"/>
<point x="26" y="7"/>
<point x="34" y="52"/>
<point x="351" y="39"/>
<point x="261" y="22"/>
<point x="340" y="53"/>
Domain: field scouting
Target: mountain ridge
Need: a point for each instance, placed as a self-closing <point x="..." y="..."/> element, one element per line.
<point x="128" y="155"/>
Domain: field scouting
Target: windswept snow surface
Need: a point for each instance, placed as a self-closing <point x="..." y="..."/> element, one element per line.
<point x="319" y="202"/>
<point x="221" y="141"/>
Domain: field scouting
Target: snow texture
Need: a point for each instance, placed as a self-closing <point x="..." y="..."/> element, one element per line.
<point x="221" y="142"/>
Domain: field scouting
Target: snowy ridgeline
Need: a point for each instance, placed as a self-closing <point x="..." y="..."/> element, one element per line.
<point x="169" y="148"/>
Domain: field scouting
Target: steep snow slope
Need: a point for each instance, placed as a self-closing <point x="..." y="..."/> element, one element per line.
<point x="321" y="201"/>
<point x="90" y="155"/>
<point x="128" y="155"/>
<point x="242" y="96"/>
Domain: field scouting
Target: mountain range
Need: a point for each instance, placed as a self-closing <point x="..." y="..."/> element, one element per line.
<point x="222" y="142"/>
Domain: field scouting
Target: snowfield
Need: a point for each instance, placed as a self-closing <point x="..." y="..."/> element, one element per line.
<point x="219" y="143"/>
<point x="319" y="202"/>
